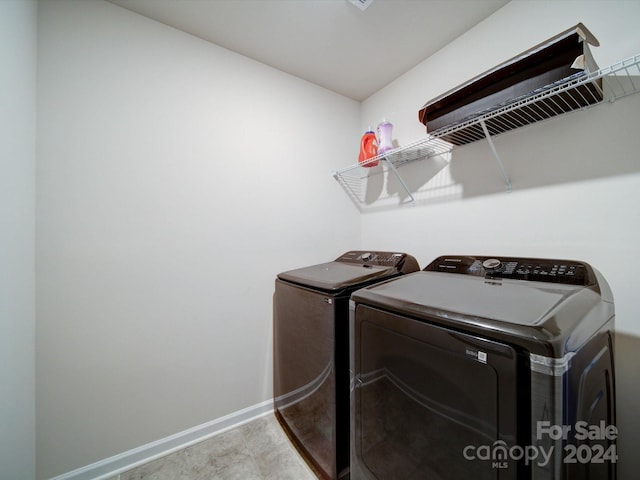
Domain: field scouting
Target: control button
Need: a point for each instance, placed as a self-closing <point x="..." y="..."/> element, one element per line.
<point x="491" y="263"/>
<point x="366" y="256"/>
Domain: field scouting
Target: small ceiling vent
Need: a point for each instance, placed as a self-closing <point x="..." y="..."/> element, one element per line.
<point x="361" y="4"/>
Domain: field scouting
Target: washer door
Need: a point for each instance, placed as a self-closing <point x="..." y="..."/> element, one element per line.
<point x="426" y="398"/>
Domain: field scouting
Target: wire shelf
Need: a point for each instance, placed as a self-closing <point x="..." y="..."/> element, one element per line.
<point x="578" y="92"/>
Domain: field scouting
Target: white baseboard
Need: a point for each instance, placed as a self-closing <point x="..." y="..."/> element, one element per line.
<point x="112" y="466"/>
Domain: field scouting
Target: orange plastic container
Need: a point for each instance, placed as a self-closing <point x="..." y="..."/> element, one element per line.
<point x="368" y="149"/>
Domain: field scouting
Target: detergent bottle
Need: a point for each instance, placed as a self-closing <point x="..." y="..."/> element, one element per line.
<point x="368" y="149"/>
<point x="385" y="143"/>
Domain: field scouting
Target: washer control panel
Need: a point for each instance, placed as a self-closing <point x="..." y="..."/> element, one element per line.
<point x="529" y="269"/>
<point x="379" y="259"/>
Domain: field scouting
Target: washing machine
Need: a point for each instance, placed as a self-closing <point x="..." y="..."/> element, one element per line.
<point x="311" y="351"/>
<point x="484" y="368"/>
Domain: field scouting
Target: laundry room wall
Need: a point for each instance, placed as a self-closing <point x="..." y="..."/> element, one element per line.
<point x="175" y="180"/>
<point x="18" y="37"/>
<point x="576" y="180"/>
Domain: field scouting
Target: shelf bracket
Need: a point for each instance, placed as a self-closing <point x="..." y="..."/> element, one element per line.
<point x="404" y="185"/>
<point x="495" y="154"/>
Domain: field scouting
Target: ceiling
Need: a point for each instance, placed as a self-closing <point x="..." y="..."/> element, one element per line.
<point x="331" y="43"/>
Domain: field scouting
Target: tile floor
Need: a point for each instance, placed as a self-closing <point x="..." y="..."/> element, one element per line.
<point x="258" y="450"/>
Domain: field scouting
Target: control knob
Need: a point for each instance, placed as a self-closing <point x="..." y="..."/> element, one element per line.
<point x="491" y="263"/>
<point x="366" y="256"/>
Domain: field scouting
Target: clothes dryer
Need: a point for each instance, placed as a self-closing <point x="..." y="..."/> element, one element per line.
<point x="311" y="351"/>
<point x="484" y="368"/>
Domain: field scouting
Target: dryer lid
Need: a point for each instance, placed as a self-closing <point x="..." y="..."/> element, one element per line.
<point x="336" y="276"/>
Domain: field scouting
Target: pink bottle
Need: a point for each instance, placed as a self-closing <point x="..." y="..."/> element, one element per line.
<point x="385" y="143"/>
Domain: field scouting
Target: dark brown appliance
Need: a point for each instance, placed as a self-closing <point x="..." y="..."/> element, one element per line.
<point x="479" y="367"/>
<point x="311" y="352"/>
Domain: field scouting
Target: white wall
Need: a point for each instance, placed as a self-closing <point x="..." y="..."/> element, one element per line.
<point x="175" y="180"/>
<point x="575" y="179"/>
<point x="18" y="36"/>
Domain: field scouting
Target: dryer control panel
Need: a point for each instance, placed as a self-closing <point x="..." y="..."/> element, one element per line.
<point x="528" y="269"/>
<point x="402" y="261"/>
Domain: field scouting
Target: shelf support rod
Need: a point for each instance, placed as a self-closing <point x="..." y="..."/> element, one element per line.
<point x="404" y="185"/>
<point x="495" y="154"/>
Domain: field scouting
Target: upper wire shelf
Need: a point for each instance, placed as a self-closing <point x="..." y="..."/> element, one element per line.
<point x="576" y="93"/>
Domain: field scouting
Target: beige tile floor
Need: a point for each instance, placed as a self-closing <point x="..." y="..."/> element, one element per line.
<point x="258" y="450"/>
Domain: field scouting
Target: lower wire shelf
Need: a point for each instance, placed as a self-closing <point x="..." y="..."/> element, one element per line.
<point x="354" y="178"/>
<point x="576" y="93"/>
